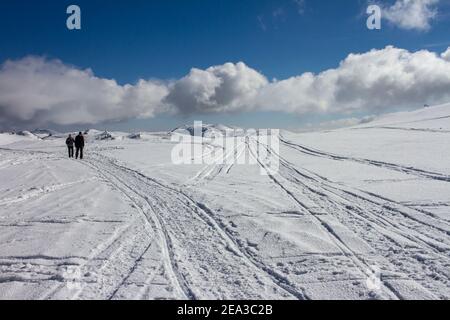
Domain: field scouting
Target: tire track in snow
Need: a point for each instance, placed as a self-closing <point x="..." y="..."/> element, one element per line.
<point x="168" y="257"/>
<point x="366" y="208"/>
<point x="409" y="129"/>
<point x="373" y="200"/>
<point x="133" y="269"/>
<point x="369" y="198"/>
<point x="115" y="242"/>
<point x="360" y="263"/>
<point x="407" y="212"/>
<point x="391" y="166"/>
<point x="37" y="192"/>
<point x="211" y="171"/>
<point x="391" y="205"/>
<point x="386" y="228"/>
<point x="278" y="279"/>
<point x="207" y="216"/>
<point x="116" y="248"/>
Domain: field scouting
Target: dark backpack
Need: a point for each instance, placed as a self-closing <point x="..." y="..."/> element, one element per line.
<point x="69" y="142"/>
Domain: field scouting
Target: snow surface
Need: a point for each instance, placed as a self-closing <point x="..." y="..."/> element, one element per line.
<point x="125" y="223"/>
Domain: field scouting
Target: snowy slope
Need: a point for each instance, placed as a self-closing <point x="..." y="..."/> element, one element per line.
<point x="431" y="118"/>
<point x="356" y="213"/>
<point x="8" y="138"/>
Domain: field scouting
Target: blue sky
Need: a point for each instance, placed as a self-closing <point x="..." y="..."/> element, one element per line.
<point x="137" y="39"/>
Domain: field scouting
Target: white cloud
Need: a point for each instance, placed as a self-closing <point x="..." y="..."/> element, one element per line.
<point x="373" y="81"/>
<point x="43" y="91"/>
<point x="39" y="91"/>
<point x="226" y="88"/>
<point x="446" y="55"/>
<point x="411" y="14"/>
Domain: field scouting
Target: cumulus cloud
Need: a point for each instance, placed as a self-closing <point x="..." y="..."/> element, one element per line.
<point x="371" y="82"/>
<point x="446" y="55"/>
<point x="374" y="81"/>
<point x="41" y="91"/>
<point x="226" y="88"/>
<point x="411" y="14"/>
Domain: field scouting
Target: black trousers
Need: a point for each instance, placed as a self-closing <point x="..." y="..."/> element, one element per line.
<point x="70" y="152"/>
<point x="80" y="152"/>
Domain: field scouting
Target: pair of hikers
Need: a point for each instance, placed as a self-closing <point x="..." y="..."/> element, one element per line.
<point x="79" y="145"/>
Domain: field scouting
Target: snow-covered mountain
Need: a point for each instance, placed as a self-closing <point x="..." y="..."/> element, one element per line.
<point x="208" y="130"/>
<point x="97" y="135"/>
<point x="26" y="133"/>
<point x="44" y="133"/>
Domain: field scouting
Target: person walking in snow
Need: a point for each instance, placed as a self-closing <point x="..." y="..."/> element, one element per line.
<point x="69" y="142"/>
<point x="79" y="145"/>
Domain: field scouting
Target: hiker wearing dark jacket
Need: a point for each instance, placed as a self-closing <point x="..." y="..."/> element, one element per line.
<point x="79" y="145"/>
<point x="69" y="142"/>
